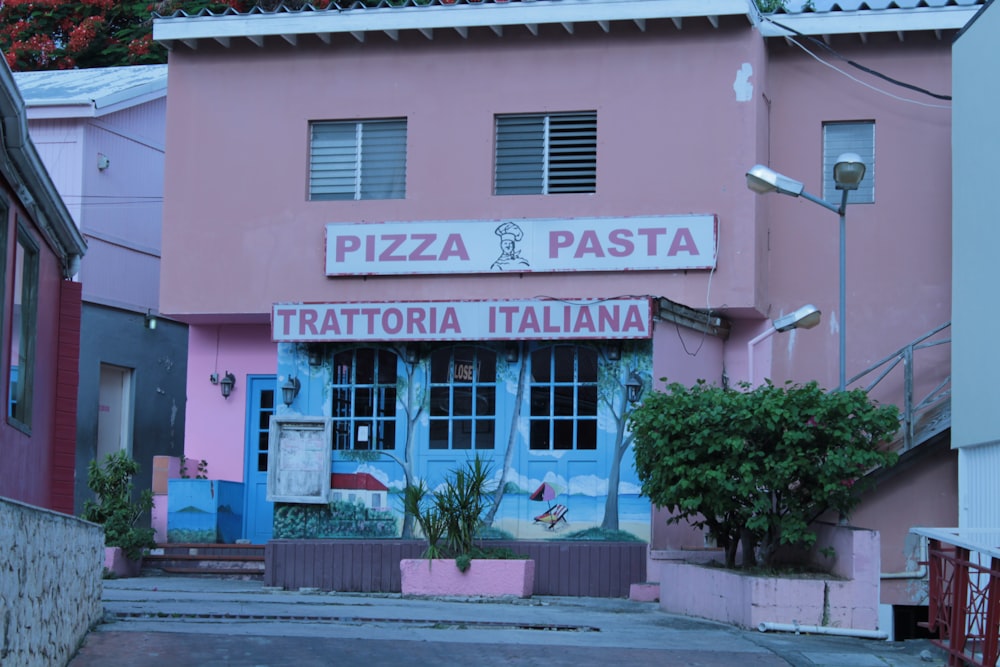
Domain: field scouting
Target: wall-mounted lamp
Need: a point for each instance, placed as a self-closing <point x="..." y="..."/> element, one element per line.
<point x="805" y="317"/>
<point x="103" y="162"/>
<point x="315" y="352"/>
<point x="633" y="387"/>
<point x="227" y="383"/>
<point x="511" y="352"/>
<point x="290" y="389"/>
<point x="614" y="351"/>
<point x="150" y="320"/>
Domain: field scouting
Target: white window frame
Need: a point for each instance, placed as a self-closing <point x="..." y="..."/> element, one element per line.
<point x="545" y="153"/>
<point x="849" y="137"/>
<point x="355" y="160"/>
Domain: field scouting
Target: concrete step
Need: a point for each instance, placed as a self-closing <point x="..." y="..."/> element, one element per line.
<point x="244" y="561"/>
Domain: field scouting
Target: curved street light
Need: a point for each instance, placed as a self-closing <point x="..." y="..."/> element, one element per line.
<point x="848" y="173"/>
<point x="805" y="317"/>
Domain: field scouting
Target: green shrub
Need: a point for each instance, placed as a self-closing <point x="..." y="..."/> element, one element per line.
<point x="115" y="508"/>
<point x="758" y="465"/>
<point x="452" y="517"/>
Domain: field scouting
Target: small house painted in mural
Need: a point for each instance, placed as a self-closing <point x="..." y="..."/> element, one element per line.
<point x="359" y="487"/>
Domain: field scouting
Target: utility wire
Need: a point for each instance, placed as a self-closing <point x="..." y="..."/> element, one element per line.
<point x="850" y="62"/>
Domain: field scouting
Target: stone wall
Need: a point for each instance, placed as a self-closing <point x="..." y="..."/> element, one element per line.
<point x="50" y="584"/>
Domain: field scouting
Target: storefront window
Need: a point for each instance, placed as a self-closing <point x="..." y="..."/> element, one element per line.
<point x="364" y="399"/>
<point x="564" y="398"/>
<point x="463" y="398"/>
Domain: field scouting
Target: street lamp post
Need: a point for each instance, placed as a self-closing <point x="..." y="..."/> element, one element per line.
<point x="847" y="174"/>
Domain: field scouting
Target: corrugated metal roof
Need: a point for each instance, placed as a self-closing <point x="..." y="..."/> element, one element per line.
<point x="791" y="6"/>
<point x="822" y="6"/>
<point x="390" y="17"/>
<point x="98" y="88"/>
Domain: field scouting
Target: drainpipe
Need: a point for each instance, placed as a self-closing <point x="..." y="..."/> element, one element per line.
<point x="919" y="573"/>
<point x="822" y="630"/>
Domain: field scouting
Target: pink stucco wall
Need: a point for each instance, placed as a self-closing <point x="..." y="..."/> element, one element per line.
<point x="651" y="160"/>
<point x="898" y="249"/>
<point x="215" y="427"/>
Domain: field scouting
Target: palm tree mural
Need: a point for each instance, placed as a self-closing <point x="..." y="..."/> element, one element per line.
<point x="515" y="418"/>
<point x="613" y="393"/>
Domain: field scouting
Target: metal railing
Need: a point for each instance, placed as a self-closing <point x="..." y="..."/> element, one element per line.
<point x="964" y="593"/>
<point x="912" y="409"/>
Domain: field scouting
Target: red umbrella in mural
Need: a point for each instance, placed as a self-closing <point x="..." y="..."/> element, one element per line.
<point x="551" y="517"/>
<point x="544" y="492"/>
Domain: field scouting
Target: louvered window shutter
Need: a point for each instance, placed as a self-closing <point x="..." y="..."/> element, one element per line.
<point x="358" y="160"/>
<point x="840" y="138"/>
<point x="546" y="153"/>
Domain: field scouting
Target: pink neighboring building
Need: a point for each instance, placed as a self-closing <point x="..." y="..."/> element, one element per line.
<point x="389" y="212"/>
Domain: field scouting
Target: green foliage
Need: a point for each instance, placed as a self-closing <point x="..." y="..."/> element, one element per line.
<point x="338" y="519"/>
<point x="769" y="6"/>
<point x="201" y="466"/>
<point x="115" y="508"/>
<point x="452" y="517"/>
<point x="597" y="534"/>
<point x="758" y="465"/>
<point x="66" y="34"/>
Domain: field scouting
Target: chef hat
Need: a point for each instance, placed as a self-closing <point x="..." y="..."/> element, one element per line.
<point x="509" y="230"/>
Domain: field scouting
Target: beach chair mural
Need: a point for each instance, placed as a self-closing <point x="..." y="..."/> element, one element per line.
<point x="556" y="512"/>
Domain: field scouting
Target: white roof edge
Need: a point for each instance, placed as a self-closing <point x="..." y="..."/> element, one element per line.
<point x="920" y="18"/>
<point x="134" y="95"/>
<point x="438" y="16"/>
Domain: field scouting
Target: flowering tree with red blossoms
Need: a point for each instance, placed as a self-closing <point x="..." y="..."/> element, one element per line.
<point x="65" y="34"/>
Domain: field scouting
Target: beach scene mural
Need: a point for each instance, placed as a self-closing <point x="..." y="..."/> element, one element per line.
<point x="570" y="476"/>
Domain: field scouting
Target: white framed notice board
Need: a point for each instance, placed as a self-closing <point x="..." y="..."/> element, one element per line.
<point x="298" y="468"/>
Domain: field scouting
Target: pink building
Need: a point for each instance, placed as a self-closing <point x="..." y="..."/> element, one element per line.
<point x="445" y="229"/>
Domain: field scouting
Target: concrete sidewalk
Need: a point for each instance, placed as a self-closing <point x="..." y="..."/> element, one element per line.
<point x="166" y="620"/>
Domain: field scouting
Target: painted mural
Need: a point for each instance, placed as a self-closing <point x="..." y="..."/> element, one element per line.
<point x="550" y="418"/>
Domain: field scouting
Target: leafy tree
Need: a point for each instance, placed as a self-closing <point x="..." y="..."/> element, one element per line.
<point x="758" y="465"/>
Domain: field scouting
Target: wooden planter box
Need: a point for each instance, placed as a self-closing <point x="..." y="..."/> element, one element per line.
<point x="484" y="578"/>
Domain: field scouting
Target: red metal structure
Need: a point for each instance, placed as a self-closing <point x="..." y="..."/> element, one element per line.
<point x="964" y="589"/>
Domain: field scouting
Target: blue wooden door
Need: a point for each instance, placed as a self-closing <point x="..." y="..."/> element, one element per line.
<point x="258" y="513"/>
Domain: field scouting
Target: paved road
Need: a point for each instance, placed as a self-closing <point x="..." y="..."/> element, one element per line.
<point x="180" y="622"/>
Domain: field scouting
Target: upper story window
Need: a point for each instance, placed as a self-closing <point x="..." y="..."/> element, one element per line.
<point x="25" y="330"/>
<point x="541" y="154"/>
<point x="849" y="137"/>
<point x="563" y="398"/>
<point x="357" y="159"/>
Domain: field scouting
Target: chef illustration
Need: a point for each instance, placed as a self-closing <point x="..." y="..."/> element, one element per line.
<point x="510" y="257"/>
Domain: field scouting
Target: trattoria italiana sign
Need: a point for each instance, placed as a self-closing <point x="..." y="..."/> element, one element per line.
<point x="462" y="320"/>
<point x="649" y="243"/>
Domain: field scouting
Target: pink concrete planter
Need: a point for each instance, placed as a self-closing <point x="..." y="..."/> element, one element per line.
<point x="118" y="565"/>
<point x="847" y="598"/>
<point x="484" y="578"/>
